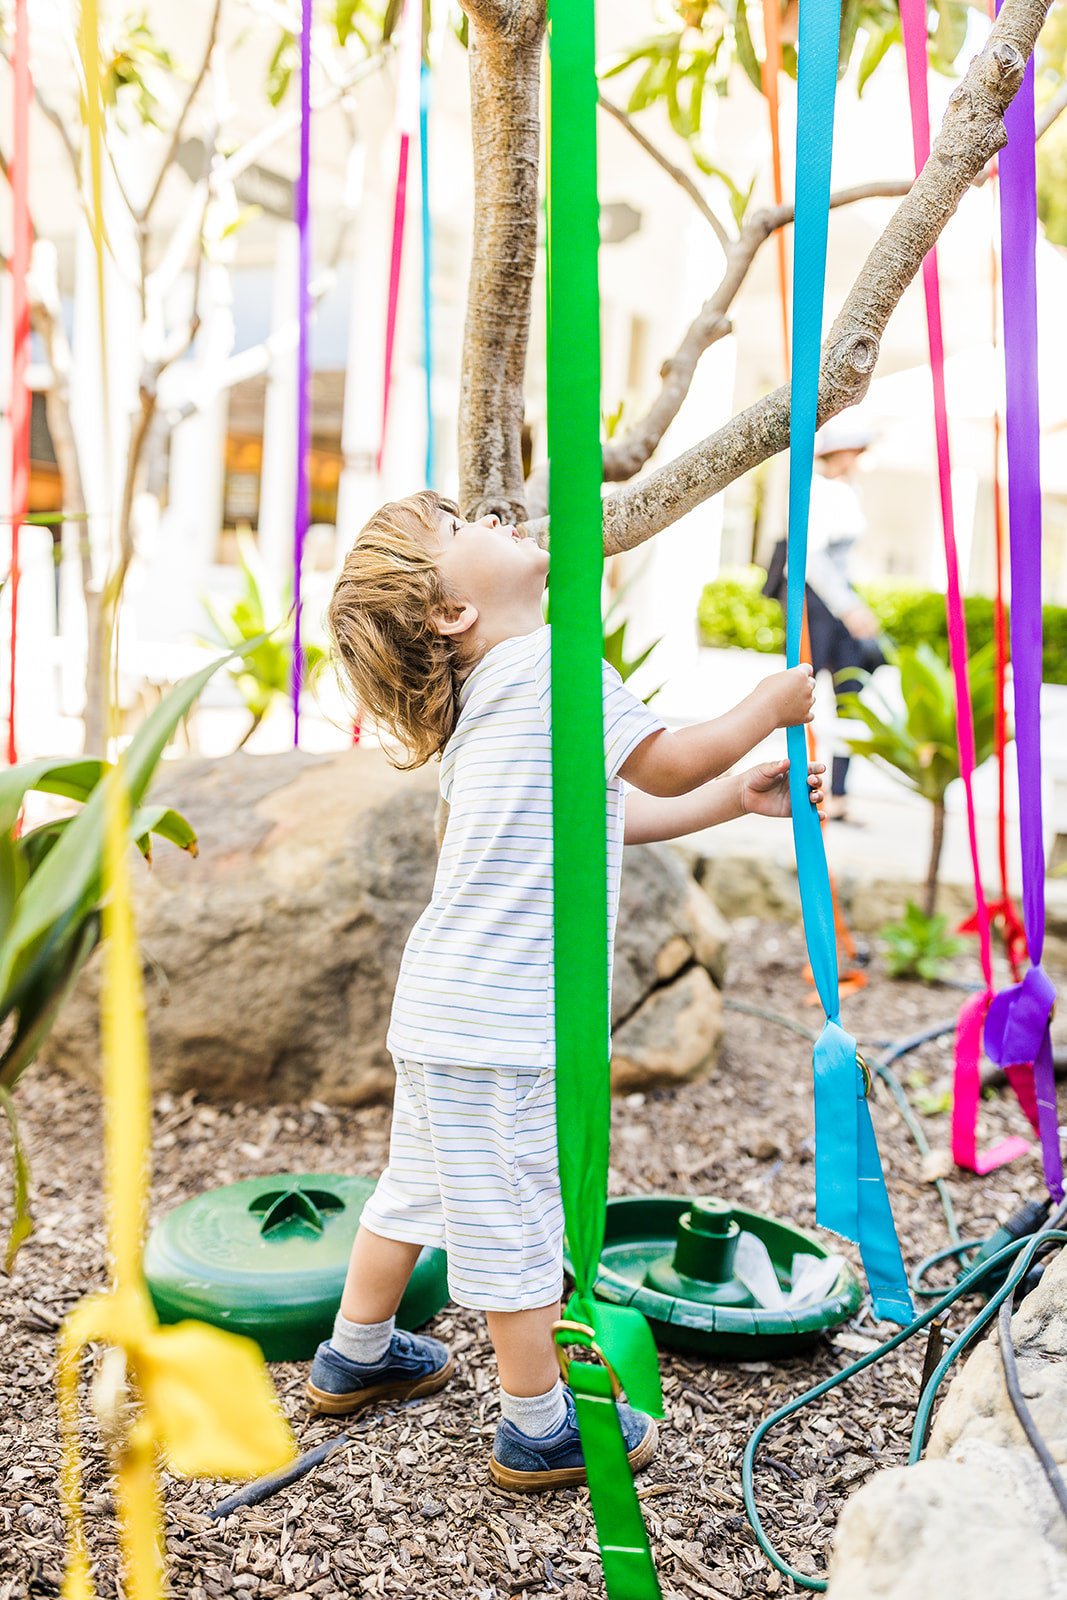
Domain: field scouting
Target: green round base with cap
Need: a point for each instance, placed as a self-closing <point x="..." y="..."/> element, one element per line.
<point x="671" y="1258"/>
<point x="267" y="1257"/>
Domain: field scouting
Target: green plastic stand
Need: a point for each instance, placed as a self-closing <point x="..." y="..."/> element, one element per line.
<point x="671" y="1258"/>
<point x="267" y="1257"/>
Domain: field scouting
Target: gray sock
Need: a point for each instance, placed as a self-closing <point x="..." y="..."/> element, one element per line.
<point x="365" y="1342"/>
<point x="535" y="1415"/>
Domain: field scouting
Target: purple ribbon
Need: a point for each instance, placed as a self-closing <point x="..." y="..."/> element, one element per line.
<point x="1017" y="1029"/>
<point x="301" y="216"/>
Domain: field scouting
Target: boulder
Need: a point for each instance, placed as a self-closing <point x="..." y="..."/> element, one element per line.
<point x="269" y="962"/>
<point x="977" y="1517"/>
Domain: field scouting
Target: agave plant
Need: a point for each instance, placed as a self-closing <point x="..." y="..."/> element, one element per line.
<point x="51" y="882"/>
<point x="917" y="746"/>
<point x="262" y="673"/>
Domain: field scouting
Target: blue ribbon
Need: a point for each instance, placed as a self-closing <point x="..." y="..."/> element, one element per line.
<point x="850" y="1192"/>
<point x="427" y="264"/>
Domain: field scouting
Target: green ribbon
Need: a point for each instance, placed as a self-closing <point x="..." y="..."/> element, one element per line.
<point x="579" y="806"/>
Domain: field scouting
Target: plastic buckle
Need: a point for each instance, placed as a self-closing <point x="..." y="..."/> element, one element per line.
<point x="588" y="1340"/>
<point x="867" y="1079"/>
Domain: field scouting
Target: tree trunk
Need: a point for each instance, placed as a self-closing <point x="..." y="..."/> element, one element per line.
<point x="937" y="840"/>
<point x="505" y="77"/>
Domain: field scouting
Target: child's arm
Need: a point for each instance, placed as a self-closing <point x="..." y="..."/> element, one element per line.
<point x="675" y="762"/>
<point x="761" y="791"/>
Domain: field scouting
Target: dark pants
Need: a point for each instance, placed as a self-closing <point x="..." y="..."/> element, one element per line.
<point x="833" y="649"/>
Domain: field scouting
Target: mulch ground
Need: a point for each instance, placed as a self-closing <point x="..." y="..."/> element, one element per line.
<point x="408" y="1509"/>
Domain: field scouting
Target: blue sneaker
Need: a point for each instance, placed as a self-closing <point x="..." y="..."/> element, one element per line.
<point x="556" y="1461"/>
<point x="412" y="1366"/>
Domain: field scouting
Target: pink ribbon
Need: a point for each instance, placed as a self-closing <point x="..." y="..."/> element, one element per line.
<point x="20" y="335"/>
<point x="966" y="1086"/>
<point x="407" y="114"/>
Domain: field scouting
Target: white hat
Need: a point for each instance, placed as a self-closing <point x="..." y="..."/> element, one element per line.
<point x="849" y="431"/>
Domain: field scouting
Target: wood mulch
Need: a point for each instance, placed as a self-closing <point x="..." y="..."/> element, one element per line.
<point x="407" y="1509"/>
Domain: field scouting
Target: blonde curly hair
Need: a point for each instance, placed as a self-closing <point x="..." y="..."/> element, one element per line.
<point x="388" y="653"/>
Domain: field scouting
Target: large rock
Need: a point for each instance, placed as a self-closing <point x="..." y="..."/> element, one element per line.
<point x="977" y="1517"/>
<point x="270" y="961"/>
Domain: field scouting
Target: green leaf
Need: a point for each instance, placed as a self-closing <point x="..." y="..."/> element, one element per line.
<point x="45" y="999"/>
<point x="67" y="882"/>
<point x="390" y="20"/>
<point x="74" y="779"/>
<point x="166" y="824"/>
<point x="746" y="50"/>
<point x="851" y="15"/>
<point x="950" y="35"/>
<point x="22" y="1222"/>
<point x="283" y="63"/>
<point x="879" y="43"/>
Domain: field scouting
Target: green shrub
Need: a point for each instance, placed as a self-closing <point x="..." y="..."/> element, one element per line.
<point x="732" y="611"/>
<point x="919" y="946"/>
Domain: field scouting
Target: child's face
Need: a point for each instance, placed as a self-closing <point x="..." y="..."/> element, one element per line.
<point x="487" y="564"/>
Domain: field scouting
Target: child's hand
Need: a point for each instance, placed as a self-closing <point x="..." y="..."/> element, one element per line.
<point x="765" y="789"/>
<point x="790" y="695"/>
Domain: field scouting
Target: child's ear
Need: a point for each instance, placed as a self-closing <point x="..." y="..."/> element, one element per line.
<point x="454" y="620"/>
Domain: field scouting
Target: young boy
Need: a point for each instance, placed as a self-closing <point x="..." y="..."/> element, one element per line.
<point x="437" y="625"/>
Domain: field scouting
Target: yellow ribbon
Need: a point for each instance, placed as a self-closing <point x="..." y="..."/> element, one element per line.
<point x="200" y="1397"/>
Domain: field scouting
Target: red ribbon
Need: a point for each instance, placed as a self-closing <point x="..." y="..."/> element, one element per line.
<point x="20" y="335"/>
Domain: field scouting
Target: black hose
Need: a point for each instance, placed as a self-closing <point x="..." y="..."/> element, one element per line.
<point x="263" y="1488"/>
<point x="1020" y="1407"/>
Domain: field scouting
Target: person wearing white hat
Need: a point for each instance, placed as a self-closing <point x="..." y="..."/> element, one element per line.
<point x="842" y="628"/>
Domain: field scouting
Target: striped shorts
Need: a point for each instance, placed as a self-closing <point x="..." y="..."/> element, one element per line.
<point x="473" y="1169"/>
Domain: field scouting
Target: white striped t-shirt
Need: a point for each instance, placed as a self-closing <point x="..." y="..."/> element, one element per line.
<point x="475" y="984"/>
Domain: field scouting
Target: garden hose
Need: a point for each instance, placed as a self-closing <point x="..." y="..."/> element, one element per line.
<point x="1020" y="1407"/>
<point x="1023" y="1251"/>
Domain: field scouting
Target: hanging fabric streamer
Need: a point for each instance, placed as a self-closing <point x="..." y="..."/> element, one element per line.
<point x="972" y="1017"/>
<point x="203" y="1397"/>
<point x="408" y="95"/>
<point x="1018" y="1026"/>
<point x="427" y="263"/>
<point x="1003" y="913"/>
<point x="770" y="68"/>
<point x="302" y="218"/>
<point x="20" y="337"/>
<point x="618" y="1336"/>
<point x="850" y="1192"/>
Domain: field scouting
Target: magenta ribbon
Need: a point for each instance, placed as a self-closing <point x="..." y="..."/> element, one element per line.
<point x="1018" y="1026"/>
<point x="966" y="1082"/>
<point x="20" y="336"/>
<point x="302" y="218"/>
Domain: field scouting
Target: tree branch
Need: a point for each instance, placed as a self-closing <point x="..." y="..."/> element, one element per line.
<point x="56" y="119"/>
<point x="279" y="127"/>
<point x="1053" y="108"/>
<point x="624" y="457"/>
<point x="145" y="212"/>
<point x="971" y="134"/>
<point x="680" y="177"/>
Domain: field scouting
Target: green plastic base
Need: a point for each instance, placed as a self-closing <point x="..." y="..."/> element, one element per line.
<point x="642" y="1230"/>
<point x="267" y="1257"/>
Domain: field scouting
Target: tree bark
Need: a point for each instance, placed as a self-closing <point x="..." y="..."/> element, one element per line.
<point x="971" y="133"/>
<point x="932" y="871"/>
<point x="505" y="77"/>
